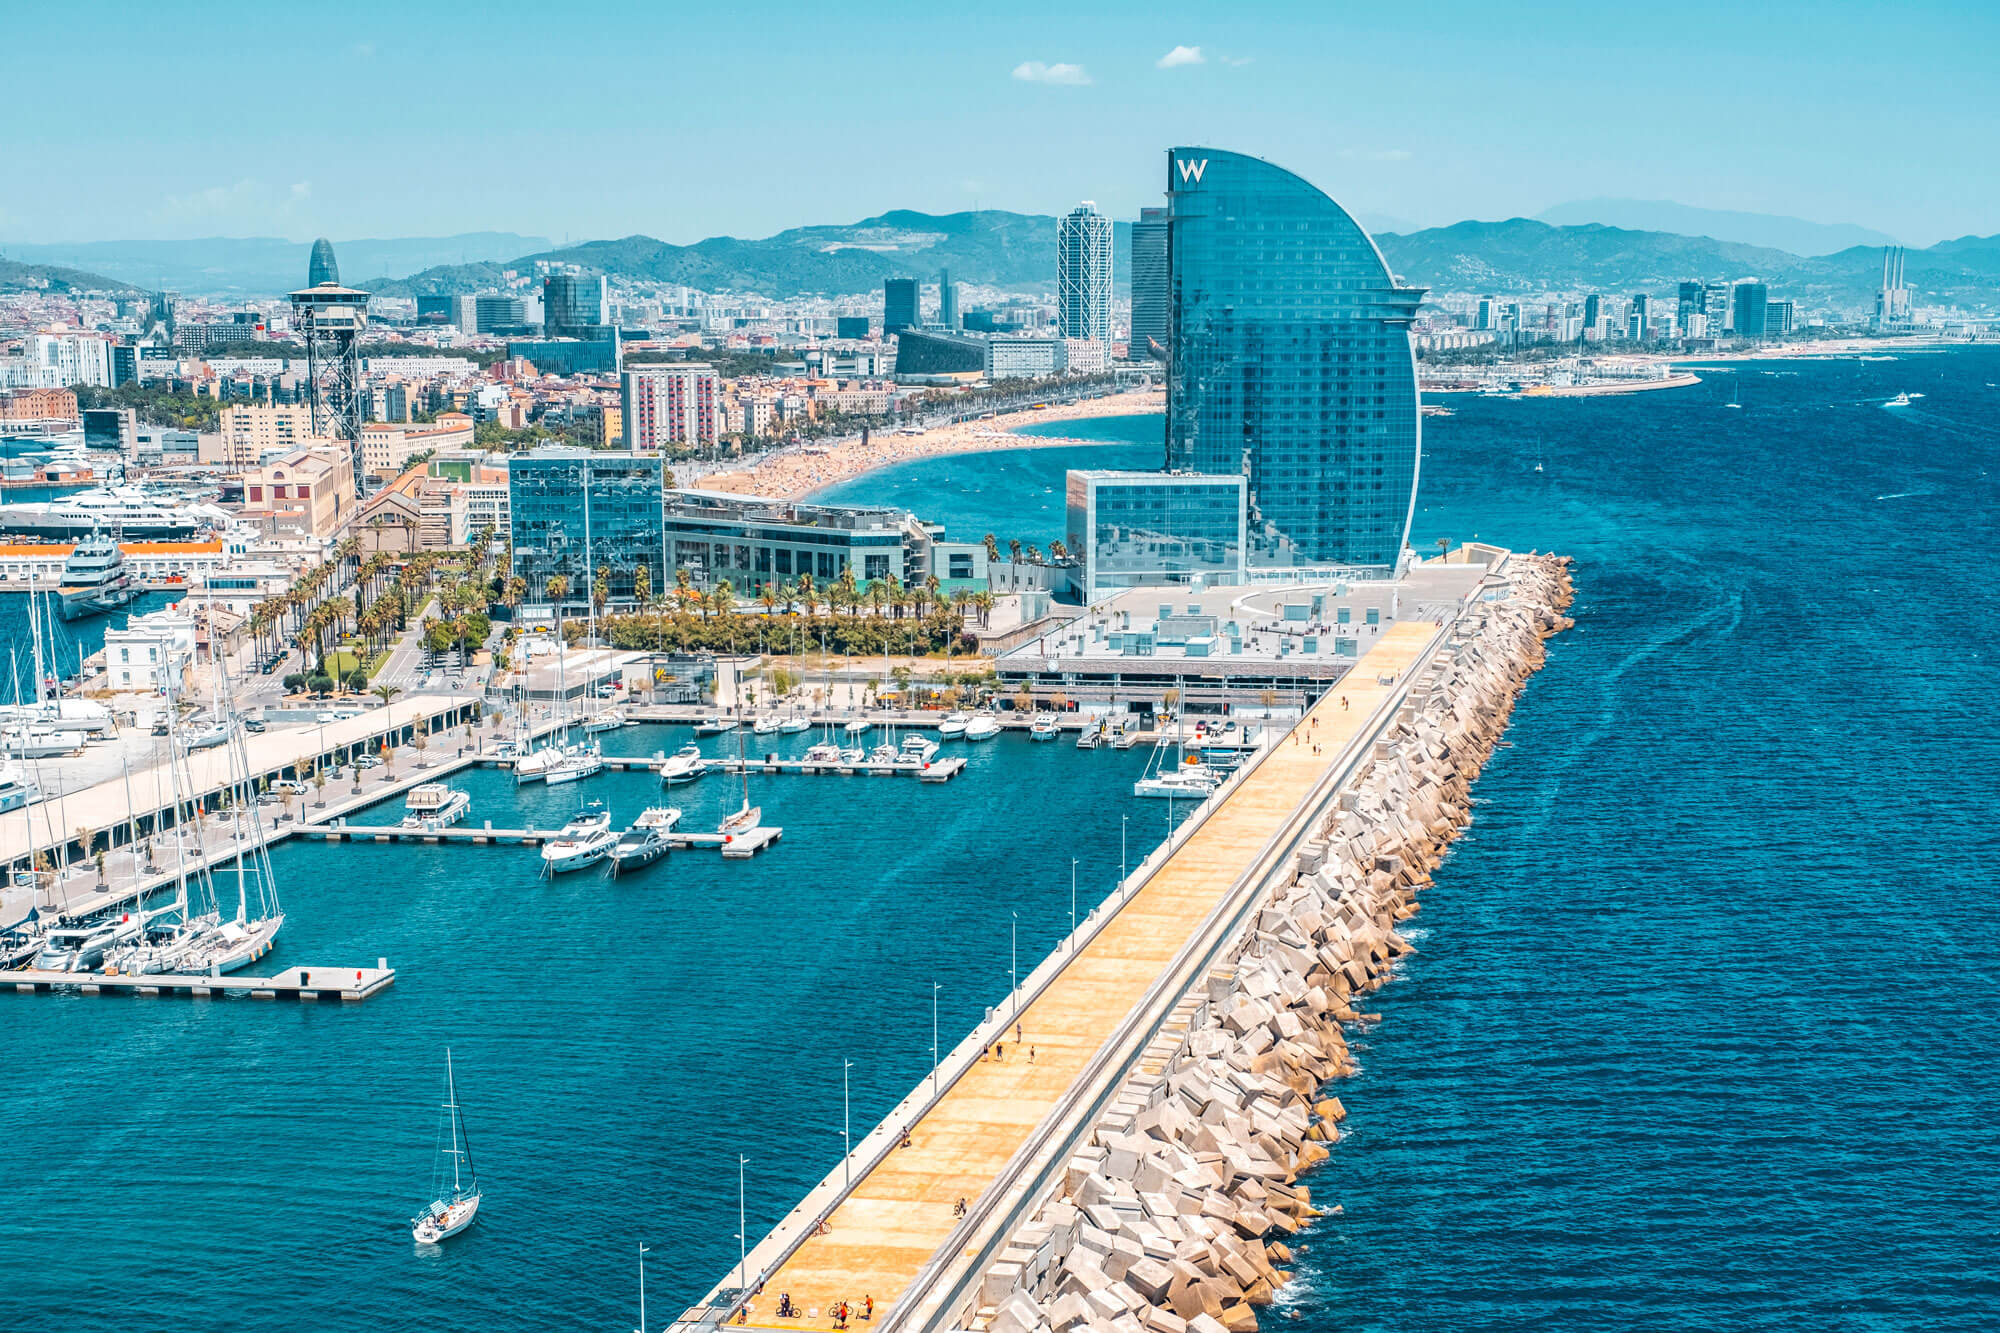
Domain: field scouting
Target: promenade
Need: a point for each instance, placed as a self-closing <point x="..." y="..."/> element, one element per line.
<point x="899" y="1213"/>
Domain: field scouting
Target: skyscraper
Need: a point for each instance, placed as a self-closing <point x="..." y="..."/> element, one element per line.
<point x="669" y="404"/>
<point x="1688" y="309"/>
<point x="1149" y="286"/>
<point x="1638" y="325"/>
<point x="573" y="306"/>
<point x="1748" y="301"/>
<point x="1290" y="362"/>
<point x="321" y="268"/>
<point x="1083" y="274"/>
<point x="947" y="300"/>
<point x="900" y="309"/>
<point x="1715" y="304"/>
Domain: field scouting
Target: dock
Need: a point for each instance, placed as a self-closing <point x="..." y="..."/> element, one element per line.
<point x="294" y="983"/>
<point x="732" y="845"/>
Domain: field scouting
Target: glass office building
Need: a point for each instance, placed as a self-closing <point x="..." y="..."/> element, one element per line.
<point x="573" y="510"/>
<point x="751" y="541"/>
<point x="1290" y="363"/>
<point x="1139" y="529"/>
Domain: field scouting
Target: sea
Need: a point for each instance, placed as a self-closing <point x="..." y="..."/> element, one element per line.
<point x="1697" y="1033"/>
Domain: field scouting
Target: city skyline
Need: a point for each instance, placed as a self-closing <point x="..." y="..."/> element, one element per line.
<point x="1508" y="114"/>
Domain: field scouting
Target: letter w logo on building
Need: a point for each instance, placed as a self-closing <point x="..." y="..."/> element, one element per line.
<point x="1191" y="171"/>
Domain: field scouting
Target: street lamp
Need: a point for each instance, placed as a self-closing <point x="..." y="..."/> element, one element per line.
<point x="742" y="1233"/>
<point x="1014" y="966"/>
<point x="1124" y="875"/>
<point x="1072" y="904"/>
<point x="935" y="988"/>
<point x="846" y="1129"/>
<point x="642" y="1287"/>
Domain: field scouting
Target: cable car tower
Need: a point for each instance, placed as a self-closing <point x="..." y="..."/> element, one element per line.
<point x="330" y="318"/>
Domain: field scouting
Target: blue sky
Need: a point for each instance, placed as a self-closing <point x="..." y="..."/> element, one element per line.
<point x="683" y="121"/>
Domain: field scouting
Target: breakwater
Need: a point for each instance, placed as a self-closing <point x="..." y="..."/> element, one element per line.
<point x="1174" y="1209"/>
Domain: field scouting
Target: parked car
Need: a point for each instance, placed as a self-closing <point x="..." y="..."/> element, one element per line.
<point x="368" y="761"/>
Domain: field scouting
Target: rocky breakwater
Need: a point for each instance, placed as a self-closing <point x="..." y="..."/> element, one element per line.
<point x="1176" y="1212"/>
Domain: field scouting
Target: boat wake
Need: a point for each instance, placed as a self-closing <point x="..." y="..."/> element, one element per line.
<point x="1901" y="495"/>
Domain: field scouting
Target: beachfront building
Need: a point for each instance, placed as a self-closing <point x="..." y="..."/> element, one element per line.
<point x="751" y="541"/>
<point x="1290" y="363"/>
<point x="1083" y="275"/>
<point x="1148" y="529"/>
<point x="574" y="511"/>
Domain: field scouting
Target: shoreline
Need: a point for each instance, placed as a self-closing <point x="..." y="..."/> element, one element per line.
<point x="794" y="474"/>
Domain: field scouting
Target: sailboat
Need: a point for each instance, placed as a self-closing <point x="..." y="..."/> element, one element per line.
<point x="450" y="1212"/>
<point x="744" y="819"/>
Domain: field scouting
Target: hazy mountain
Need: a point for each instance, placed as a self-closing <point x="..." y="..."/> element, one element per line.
<point x="267" y="265"/>
<point x="16" y="276"/>
<point x="1772" y="230"/>
<point x="989" y="247"/>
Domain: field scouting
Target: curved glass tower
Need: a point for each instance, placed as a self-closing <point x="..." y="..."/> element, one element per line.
<point x="1291" y="362"/>
<point x="322" y="269"/>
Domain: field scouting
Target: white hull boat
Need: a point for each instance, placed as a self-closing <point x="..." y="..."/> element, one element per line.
<point x="792" y="726"/>
<point x="1044" y="729"/>
<point x="646" y="841"/>
<point x="981" y="729"/>
<point x="584" y="841"/>
<point x="573" y="767"/>
<point x="766" y="726"/>
<point x="714" y="726"/>
<point x="433" y="805"/>
<point x="953" y="725"/>
<point x="684" y="766"/>
<point x="454" y="1208"/>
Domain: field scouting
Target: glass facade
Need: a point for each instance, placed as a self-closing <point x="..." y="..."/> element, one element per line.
<point x="1290" y="362"/>
<point x="1134" y="529"/>
<point x="751" y="541"/>
<point x="573" y="510"/>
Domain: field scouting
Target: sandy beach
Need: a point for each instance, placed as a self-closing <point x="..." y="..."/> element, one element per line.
<point x="792" y="474"/>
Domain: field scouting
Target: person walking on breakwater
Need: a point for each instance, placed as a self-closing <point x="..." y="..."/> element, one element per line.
<point x="958" y="1209"/>
<point x="867" y="1306"/>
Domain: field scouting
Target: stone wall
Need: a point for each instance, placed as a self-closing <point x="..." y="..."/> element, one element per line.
<point x="1177" y="1213"/>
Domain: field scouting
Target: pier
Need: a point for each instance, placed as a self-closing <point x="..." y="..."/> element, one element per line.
<point x="732" y="845"/>
<point x="294" y="983"/>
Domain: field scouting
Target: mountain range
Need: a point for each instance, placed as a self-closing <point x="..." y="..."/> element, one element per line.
<point x="1016" y="252"/>
<point x="1771" y="230"/>
<point x="264" y="265"/>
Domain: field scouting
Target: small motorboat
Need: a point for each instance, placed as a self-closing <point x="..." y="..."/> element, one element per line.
<point x="918" y="751"/>
<point x="982" y="728"/>
<point x="715" y="726"/>
<point x="684" y="765"/>
<point x="1043" y="729"/>
<point x="584" y="841"/>
<point x="768" y="725"/>
<point x="434" y="805"/>
<point x="859" y="726"/>
<point x="646" y="841"/>
<point x="791" y="726"/>
<point x="954" y="724"/>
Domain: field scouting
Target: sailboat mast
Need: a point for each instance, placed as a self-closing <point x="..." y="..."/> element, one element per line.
<point x="35" y="633"/>
<point x="451" y="1106"/>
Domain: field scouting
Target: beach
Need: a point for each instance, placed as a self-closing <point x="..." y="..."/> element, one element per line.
<point x="794" y="473"/>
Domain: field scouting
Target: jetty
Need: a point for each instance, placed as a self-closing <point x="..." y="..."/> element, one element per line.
<point x="735" y="846"/>
<point x="294" y="983"/>
<point x="1121" y="1135"/>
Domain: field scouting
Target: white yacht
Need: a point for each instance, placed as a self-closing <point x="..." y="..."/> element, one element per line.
<point x="16" y="789"/>
<point x="1190" y="782"/>
<point x="791" y="726"/>
<point x="684" y="765"/>
<point x="714" y="726"/>
<point x="954" y="724"/>
<point x="859" y="726"/>
<point x="95" y="579"/>
<point x="825" y="752"/>
<point x="768" y="725"/>
<point x="129" y="510"/>
<point x="584" y="841"/>
<point x="434" y="805"/>
<point x="918" y="751"/>
<point x="38" y="742"/>
<point x="646" y="841"/>
<point x="1043" y="729"/>
<point x="609" y="720"/>
<point x="578" y="764"/>
<point x="982" y="727"/>
<point x="81" y="948"/>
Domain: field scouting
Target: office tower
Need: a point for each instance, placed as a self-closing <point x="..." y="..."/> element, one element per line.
<point x="571" y="511"/>
<point x="1749" y="302"/>
<point x="1290" y="362"/>
<point x="850" y="326"/>
<point x="1083" y="274"/>
<point x="500" y="314"/>
<point x="947" y="300"/>
<point x="1687" y="308"/>
<point x="900" y="309"/>
<point x="434" y="309"/>
<point x="1593" y="315"/>
<point x="1149" y="286"/>
<point x="321" y="270"/>
<point x="1638" y="319"/>
<point x="1715" y="304"/>
<point x="1778" y="317"/>
<point x="672" y="404"/>
<point x="1483" y="317"/>
<point x="573" y="307"/>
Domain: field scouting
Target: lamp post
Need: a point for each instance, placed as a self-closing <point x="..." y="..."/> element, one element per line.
<point x="846" y="1129"/>
<point x="742" y="1232"/>
<point x="1014" y="966"/>
<point x="1124" y="875"/>
<point x="1072" y="904"/>
<point x="642" y="1288"/>
<point x="935" y="988"/>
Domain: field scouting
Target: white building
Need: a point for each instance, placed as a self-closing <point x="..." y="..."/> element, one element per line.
<point x="671" y="404"/>
<point x="73" y="357"/>
<point x="487" y="504"/>
<point x="152" y="652"/>
<point x="1083" y="274"/>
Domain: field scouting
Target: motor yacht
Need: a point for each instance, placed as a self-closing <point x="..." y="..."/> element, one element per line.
<point x="954" y="724"/>
<point x="982" y="727"/>
<point x="1043" y="729"/>
<point x="714" y="726"/>
<point x="684" y="765"/>
<point x="918" y="751"/>
<point x="95" y="579"/>
<point x="81" y="948"/>
<point x="646" y="841"/>
<point x="434" y="805"/>
<point x="584" y="841"/>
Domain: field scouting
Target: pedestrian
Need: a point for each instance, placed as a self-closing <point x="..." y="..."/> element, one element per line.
<point x="999" y="1051"/>
<point x="1031" y="1055"/>
<point x="1017" y="1034"/>
<point x="867" y="1306"/>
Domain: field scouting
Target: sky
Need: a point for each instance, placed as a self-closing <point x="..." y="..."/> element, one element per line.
<point x="594" y="119"/>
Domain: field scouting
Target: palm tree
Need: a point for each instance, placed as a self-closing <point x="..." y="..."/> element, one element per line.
<point x="1058" y="552"/>
<point x="992" y="550"/>
<point x="642" y="584"/>
<point x="1014" y="549"/>
<point x="557" y="587"/>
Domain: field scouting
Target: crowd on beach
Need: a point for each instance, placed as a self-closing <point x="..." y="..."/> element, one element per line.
<point x="797" y="471"/>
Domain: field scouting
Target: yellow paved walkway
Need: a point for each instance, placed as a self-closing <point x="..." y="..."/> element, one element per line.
<point x="897" y="1216"/>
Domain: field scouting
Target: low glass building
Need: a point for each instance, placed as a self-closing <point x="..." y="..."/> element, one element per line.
<point x="1290" y="363"/>
<point x="752" y="541"/>
<point x="574" y="510"/>
<point x="1139" y="529"/>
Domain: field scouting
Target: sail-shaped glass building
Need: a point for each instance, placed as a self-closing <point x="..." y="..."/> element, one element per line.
<point x="1290" y="363"/>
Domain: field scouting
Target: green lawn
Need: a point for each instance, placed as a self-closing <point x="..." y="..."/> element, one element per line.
<point x="343" y="660"/>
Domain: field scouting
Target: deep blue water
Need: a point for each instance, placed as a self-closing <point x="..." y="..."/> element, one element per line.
<point x="251" y="1166"/>
<point x="1700" y="1033"/>
<point x="64" y="639"/>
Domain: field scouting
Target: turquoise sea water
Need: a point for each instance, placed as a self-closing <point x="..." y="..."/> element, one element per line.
<point x="65" y="638"/>
<point x="1697" y="1036"/>
<point x="1700" y="1030"/>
